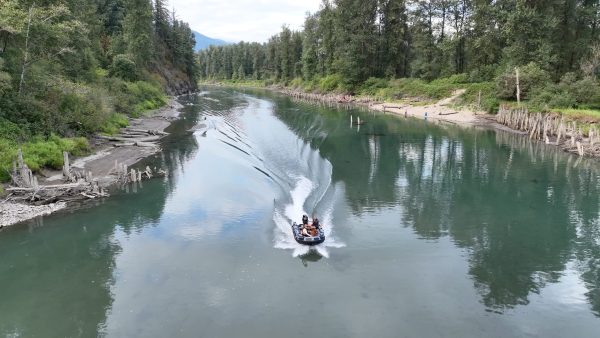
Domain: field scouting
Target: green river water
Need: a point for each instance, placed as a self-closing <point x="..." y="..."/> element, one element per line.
<point x="432" y="231"/>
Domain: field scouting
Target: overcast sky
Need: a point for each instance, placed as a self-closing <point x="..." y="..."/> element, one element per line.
<point x="247" y="20"/>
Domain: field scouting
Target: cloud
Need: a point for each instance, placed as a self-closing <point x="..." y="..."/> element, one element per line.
<point x="243" y="20"/>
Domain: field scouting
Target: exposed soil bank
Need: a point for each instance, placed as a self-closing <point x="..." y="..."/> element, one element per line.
<point x="101" y="164"/>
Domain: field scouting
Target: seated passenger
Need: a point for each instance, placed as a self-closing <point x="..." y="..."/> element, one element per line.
<point x="305" y="220"/>
<point x="305" y="232"/>
<point x="316" y="223"/>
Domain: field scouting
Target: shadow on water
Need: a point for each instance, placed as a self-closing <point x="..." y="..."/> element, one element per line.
<point x="311" y="257"/>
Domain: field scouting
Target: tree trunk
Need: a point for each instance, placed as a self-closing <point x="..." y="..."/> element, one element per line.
<point x="518" y="87"/>
<point x="26" y="56"/>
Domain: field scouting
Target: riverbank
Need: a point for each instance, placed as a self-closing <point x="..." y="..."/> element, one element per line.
<point x="101" y="163"/>
<point x="578" y="138"/>
<point x="444" y="110"/>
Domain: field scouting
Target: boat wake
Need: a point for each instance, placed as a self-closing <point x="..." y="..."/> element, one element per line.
<point x="285" y="215"/>
<point x="302" y="176"/>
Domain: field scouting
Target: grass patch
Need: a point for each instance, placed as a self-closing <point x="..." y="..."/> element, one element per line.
<point x="114" y="124"/>
<point x="145" y="96"/>
<point x="489" y="102"/>
<point x="590" y="115"/>
<point x="40" y="153"/>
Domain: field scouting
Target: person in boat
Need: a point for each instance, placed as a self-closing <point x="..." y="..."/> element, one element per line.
<point x="305" y="231"/>
<point x="316" y="223"/>
<point x="306" y="228"/>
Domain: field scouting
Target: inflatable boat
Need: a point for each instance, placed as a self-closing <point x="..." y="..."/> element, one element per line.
<point x="317" y="235"/>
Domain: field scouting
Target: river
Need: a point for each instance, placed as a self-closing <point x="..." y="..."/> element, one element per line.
<point x="432" y="231"/>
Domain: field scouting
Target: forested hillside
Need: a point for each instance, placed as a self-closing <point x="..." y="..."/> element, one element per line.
<point x="395" y="48"/>
<point x="73" y="67"/>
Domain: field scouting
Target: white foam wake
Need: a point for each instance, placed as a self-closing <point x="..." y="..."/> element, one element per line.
<point x="293" y="212"/>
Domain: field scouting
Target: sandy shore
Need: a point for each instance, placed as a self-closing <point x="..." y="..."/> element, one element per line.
<point x="440" y="111"/>
<point x="101" y="163"/>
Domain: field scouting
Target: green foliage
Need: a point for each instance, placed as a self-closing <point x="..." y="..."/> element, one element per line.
<point x="489" y="102"/>
<point x="11" y="131"/>
<point x="297" y="83"/>
<point x="434" y="48"/>
<point x="531" y="78"/>
<point x="144" y="96"/>
<point x="114" y="124"/>
<point x="124" y="68"/>
<point x="331" y="83"/>
<point x="373" y="86"/>
<point x="69" y="67"/>
<point x="5" y="79"/>
<point x="40" y="153"/>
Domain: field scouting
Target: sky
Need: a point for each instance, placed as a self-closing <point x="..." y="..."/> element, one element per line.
<point x="243" y="20"/>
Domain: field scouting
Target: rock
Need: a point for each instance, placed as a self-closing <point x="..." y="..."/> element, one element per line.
<point x="13" y="213"/>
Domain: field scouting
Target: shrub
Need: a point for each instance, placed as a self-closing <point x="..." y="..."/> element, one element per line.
<point x="373" y="86"/>
<point x="114" y="123"/>
<point x="331" y="83"/>
<point x="124" y="68"/>
<point x="531" y="77"/>
<point x="483" y="74"/>
<point x="552" y="96"/>
<point x="586" y="91"/>
<point x="10" y="130"/>
<point x="489" y="102"/>
<point x="458" y="79"/>
<point x="40" y="153"/>
<point x="297" y="83"/>
<point x="83" y="113"/>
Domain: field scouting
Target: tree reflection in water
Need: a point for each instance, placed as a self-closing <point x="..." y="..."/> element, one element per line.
<point x="521" y="209"/>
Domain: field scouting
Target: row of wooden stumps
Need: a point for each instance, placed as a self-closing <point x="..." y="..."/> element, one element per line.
<point x="125" y="175"/>
<point x="552" y="129"/>
<point x="331" y="100"/>
<point x="77" y="185"/>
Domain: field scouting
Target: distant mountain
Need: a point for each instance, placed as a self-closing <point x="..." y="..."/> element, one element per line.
<point x="203" y="41"/>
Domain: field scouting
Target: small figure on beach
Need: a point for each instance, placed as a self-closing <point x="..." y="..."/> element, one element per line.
<point x="405" y="113"/>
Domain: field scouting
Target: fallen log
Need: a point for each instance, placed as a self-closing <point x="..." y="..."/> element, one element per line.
<point x="122" y="139"/>
<point x="146" y="145"/>
<point x="150" y="131"/>
<point x="46" y="187"/>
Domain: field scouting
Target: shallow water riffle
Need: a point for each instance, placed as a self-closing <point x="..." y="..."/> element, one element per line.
<point x="432" y="231"/>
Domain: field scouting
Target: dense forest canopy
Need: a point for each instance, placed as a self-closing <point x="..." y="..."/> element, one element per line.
<point x="70" y="68"/>
<point x="556" y="42"/>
